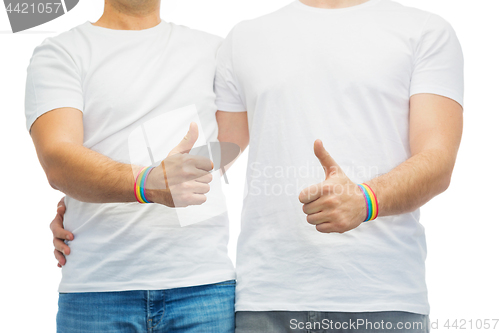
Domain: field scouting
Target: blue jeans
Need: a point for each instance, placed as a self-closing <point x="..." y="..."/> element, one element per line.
<point x="207" y="308"/>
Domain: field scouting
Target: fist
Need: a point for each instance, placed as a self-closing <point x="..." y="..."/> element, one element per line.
<point x="336" y="204"/>
<point x="181" y="179"/>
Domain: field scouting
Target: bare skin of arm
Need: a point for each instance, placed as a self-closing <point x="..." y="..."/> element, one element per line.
<point x="75" y="170"/>
<point x="435" y="133"/>
<point x="233" y="128"/>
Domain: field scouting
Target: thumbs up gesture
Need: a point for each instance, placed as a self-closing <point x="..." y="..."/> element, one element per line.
<point x="336" y="204"/>
<point x="181" y="179"/>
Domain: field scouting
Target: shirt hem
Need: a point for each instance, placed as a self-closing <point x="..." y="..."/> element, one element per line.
<point x="227" y="107"/>
<point x="157" y="285"/>
<point x="438" y="91"/>
<point x="319" y="307"/>
<point x="44" y="108"/>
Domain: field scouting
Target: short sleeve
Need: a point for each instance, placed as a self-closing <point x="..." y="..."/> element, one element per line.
<point x="53" y="81"/>
<point x="439" y="63"/>
<point x="226" y="85"/>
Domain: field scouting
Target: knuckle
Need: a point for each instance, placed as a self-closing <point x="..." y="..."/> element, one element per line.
<point x="322" y="228"/>
<point x="184" y="197"/>
<point x="313" y="189"/>
<point x="307" y="197"/>
<point x="203" y="199"/>
<point x="333" y="216"/>
<point x="198" y="200"/>
<point x="342" y="226"/>
<point x="58" y="255"/>
<point x="184" y="160"/>
<point x="185" y="169"/>
<point x="180" y="202"/>
<point x="333" y="201"/>
<point x="184" y="187"/>
<point x="325" y="188"/>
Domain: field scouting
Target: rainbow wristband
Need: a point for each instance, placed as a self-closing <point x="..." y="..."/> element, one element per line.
<point x="371" y="202"/>
<point x="139" y="184"/>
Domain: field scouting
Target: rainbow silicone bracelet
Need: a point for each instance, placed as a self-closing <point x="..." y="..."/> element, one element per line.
<point x="140" y="182"/>
<point x="371" y="202"/>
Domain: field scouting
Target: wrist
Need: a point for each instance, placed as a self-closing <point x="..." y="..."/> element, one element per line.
<point x="150" y="195"/>
<point x="135" y="172"/>
<point x="140" y="187"/>
<point x="361" y="204"/>
<point x="156" y="187"/>
<point x="371" y="202"/>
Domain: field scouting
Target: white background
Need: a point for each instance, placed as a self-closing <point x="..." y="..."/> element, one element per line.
<point x="463" y="224"/>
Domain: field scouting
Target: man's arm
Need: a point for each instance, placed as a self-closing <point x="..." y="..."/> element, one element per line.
<point x="75" y="170"/>
<point x="92" y="177"/>
<point x="436" y="124"/>
<point x="233" y="127"/>
<point x="435" y="134"/>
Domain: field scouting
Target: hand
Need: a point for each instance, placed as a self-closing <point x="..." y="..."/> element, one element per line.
<point x="181" y="179"/>
<point x="337" y="204"/>
<point x="60" y="235"/>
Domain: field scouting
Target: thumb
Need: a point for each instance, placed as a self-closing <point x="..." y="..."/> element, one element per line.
<point x="188" y="141"/>
<point x="328" y="163"/>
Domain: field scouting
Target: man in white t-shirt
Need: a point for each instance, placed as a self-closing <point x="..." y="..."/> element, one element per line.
<point x="104" y="100"/>
<point x="381" y="85"/>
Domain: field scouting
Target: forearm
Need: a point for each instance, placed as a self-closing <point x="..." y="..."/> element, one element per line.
<point x="414" y="182"/>
<point x="92" y="177"/>
<point x="87" y="175"/>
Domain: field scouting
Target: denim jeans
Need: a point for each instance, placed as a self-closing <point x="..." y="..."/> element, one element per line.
<point x="326" y="322"/>
<point x="207" y="309"/>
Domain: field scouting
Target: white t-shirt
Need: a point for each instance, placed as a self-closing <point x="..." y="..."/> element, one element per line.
<point x="344" y="76"/>
<point x="125" y="82"/>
